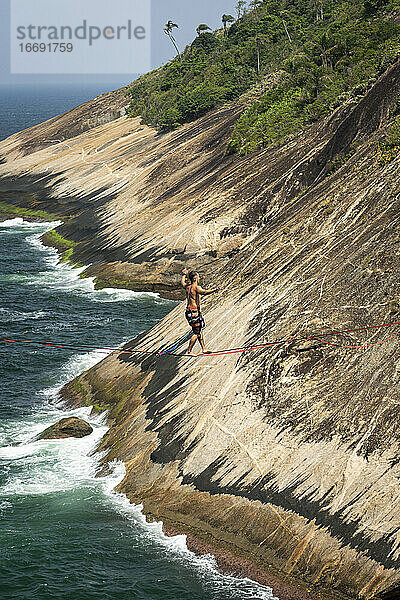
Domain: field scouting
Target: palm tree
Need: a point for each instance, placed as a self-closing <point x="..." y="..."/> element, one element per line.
<point x="202" y="28"/>
<point x="227" y="19"/>
<point x="283" y="14"/>
<point x="241" y="8"/>
<point x="168" y="29"/>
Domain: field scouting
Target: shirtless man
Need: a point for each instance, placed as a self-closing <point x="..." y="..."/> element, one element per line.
<point x="191" y="283"/>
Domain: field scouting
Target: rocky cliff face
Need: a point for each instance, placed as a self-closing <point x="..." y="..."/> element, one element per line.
<point x="286" y="455"/>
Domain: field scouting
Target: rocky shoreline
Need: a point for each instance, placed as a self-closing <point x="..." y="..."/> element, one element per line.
<point x="5" y="216"/>
<point x="238" y="566"/>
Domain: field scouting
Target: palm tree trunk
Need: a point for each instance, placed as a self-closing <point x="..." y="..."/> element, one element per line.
<point x="171" y="37"/>
<point x="287" y="32"/>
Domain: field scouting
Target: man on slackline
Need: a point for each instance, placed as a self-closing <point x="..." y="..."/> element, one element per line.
<point x="191" y="283"/>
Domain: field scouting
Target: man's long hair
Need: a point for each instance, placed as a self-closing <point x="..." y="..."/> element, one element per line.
<point x="192" y="276"/>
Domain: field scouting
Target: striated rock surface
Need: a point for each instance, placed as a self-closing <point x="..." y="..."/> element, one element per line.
<point x="65" y="428"/>
<point x="286" y="456"/>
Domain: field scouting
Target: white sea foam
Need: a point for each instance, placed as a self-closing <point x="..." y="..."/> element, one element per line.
<point x="51" y="466"/>
<point x="62" y="276"/>
<point x="21" y="224"/>
<point x="176" y="547"/>
<point x="66" y="278"/>
<point x="118" y="295"/>
<point x="4" y="505"/>
<point x="18" y="315"/>
<point x="74" y="366"/>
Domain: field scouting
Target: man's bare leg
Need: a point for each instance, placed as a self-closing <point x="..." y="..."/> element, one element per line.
<point x="192" y="342"/>
<point x="202" y="344"/>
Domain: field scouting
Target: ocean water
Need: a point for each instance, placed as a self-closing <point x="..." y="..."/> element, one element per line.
<point x="22" y="106"/>
<point x="65" y="534"/>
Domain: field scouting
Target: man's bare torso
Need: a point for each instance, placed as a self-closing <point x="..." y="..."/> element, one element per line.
<point x="193" y="297"/>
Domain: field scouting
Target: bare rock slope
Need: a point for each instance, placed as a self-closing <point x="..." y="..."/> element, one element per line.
<point x="286" y="455"/>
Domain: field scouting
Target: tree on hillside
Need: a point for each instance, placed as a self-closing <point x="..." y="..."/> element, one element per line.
<point x="241" y="8"/>
<point x="318" y="6"/>
<point x="256" y="4"/>
<point x="202" y="28"/>
<point x="258" y="55"/>
<point x="169" y="27"/>
<point x="284" y="14"/>
<point x="227" y="19"/>
<point x="261" y="41"/>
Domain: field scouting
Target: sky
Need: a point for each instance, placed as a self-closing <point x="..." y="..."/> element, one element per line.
<point x="188" y="14"/>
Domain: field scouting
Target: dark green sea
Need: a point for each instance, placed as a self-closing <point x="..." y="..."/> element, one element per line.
<point x="65" y="534"/>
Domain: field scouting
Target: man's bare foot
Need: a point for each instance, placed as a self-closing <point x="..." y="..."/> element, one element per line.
<point x="191" y="354"/>
<point x="206" y="352"/>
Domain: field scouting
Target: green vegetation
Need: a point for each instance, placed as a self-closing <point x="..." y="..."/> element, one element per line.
<point x="115" y="283"/>
<point x="59" y="242"/>
<point x="214" y="69"/>
<point x="389" y="147"/>
<point x="67" y="255"/>
<point x="80" y="389"/>
<point x="227" y="19"/>
<point x="85" y="397"/>
<point x="338" y="58"/>
<point x="168" y="30"/>
<point x="64" y="246"/>
<point x="326" y="52"/>
<point x="26" y="212"/>
<point x="202" y="28"/>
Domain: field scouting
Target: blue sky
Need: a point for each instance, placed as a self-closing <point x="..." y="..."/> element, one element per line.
<point x="187" y="14"/>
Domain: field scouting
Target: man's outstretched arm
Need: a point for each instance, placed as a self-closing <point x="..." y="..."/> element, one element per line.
<point x="203" y="292"/>
<point x="184" y="280"/>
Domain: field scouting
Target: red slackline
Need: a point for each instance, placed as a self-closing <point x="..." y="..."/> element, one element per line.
<point x="316" y="337"/>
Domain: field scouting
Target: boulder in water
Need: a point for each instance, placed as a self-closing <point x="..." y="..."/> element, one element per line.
<point x="69" y="427"/>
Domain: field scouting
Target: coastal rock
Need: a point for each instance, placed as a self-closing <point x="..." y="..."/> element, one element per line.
<point x="69" y="427"/>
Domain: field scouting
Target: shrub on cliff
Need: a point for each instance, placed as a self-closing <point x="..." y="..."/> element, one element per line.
<point x="328" y="51"/>
<point x="339" y="58"/>
<point x="389" y="146"/>
<point x="183" y="90"/>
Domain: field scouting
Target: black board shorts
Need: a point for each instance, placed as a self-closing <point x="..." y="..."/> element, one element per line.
<point x="195" y="320"/>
